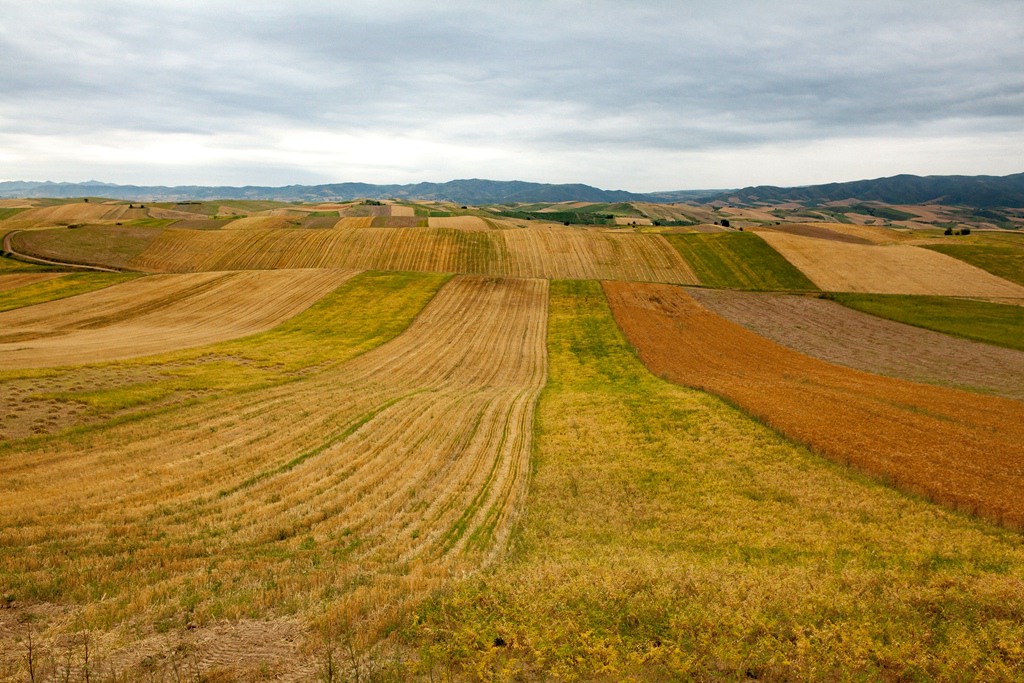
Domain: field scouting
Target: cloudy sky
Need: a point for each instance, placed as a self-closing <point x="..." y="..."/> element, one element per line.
<point x="637" y="96"/>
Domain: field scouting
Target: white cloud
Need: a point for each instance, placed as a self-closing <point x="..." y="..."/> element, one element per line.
<point x="670" y="95"/>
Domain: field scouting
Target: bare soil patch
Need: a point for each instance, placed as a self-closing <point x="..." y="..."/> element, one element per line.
<point x="960" y="449"/>
<point x="837" y="334"/>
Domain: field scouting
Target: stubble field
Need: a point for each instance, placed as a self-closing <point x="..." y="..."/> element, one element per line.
<point x="384" y="441"/>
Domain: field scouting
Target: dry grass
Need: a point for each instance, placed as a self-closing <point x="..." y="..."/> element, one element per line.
<point x="895" y="269"/>
<point x="156" y="314"/>
<point x="669" y="537"/>
<point x="343" y="495"/>
<point x="960" y="449"/>
<point x="15" y="280"/>
<point x="546" y="252"/>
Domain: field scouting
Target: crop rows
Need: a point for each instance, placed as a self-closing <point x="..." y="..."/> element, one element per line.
<point x="357" y="488"/>
<point x="547" y="252"/>
<point x="156" y="314"/>
<point x="957" y="448"/>
<point x="889" y="269"/>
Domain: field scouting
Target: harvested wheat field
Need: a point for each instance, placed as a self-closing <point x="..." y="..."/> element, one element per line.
<point x="545" y="252"/>
<point x="837" y="334"/>
<point x="892" y="269"/>
<point x="957" y="448"/>
<point x="15" y="280"/>
<point x="156" y="314"/>
<point x="458" y="222"/>
<point x="341" y="497"/>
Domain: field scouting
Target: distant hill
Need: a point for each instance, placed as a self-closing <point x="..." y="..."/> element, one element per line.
<point x="978" y="191"/>
<point x="477" y="192"/>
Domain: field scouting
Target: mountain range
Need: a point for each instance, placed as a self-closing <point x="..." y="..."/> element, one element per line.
<point x="978" y="191"/>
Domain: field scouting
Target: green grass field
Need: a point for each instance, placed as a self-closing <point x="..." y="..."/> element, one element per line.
<point x="999" y="324"/>
<point x="61" y="287"/>
<point x="738" y="260"/>
<point x="1004" y="260"/>
<point x="667" y="536"/>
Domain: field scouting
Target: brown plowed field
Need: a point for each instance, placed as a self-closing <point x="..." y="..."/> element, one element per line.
<point x="157" y="313"/>
<point x="837" y="334"/>
<point x="958" y="448"/>
<point x="362" y="486"/>
<point x="544" y="252"/>
<point x="14" y="280"/>
<point x="892" y="269"/>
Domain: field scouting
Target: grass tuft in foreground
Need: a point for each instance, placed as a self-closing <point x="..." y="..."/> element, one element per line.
<point x="738" y="260"/>
<point x="669" y="537"/>
<point x="984" y="321"/>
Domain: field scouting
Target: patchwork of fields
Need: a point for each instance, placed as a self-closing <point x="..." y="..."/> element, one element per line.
<point x="395" y="441"/>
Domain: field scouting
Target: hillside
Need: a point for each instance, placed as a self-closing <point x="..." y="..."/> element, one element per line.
<point x="584" y="441"/>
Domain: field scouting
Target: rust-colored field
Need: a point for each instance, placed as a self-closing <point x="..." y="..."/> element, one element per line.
<point x="542" y="251"/>
<point x="889" y="269"/>
<point x="837" y="334"/>
<point x="14" y="280"/>
<point x="361" y="486"/>
<point x="958" y="448"/>
<point x="157" y="313"/>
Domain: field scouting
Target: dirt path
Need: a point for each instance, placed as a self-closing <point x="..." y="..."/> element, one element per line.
<point x="957" y="448"/>
<point x="8" y="249"/>
<point x="837" y="334"/>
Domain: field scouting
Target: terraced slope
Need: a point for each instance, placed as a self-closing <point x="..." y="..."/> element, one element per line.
<point x="891" y="269"/>
<point x="341" y="496"/>
<point x="738" y="260"/>
<point x="837" y="334"/>
<point x="960" y="449"/>
<point x="156" y="314"/>
<point x="545" y="252"/>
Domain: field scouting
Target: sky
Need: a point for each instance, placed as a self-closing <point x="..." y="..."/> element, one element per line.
<point x="621" y="95"/>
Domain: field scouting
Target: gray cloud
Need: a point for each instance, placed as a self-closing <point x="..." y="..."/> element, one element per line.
<point x="525" y="80"/>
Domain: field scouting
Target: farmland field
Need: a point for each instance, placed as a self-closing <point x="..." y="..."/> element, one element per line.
<point x="835" y="333"/>
<point x="669" y="537"/>
<point x="921" y="438"/>
<point x="887" y="269"/>
<point x="155" y="314"/>
<point x="984" y="321"/>
<point x="738" y="261"/>
<point x="382" y="441"/>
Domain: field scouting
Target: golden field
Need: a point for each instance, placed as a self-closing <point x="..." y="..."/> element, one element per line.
<point x="400" y="441"/>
